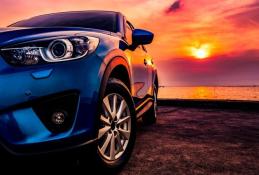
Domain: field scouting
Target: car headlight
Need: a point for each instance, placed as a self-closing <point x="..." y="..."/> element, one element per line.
<point x="57" y="50"/>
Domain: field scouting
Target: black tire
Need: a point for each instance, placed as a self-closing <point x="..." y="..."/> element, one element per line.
<point x="150" y="116"/>
<point x="116" y="86"/>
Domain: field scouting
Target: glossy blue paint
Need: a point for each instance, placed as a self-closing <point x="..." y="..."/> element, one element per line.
<point x="42" y="74"/>
<point x="141" y="36"/>
<point x="22" y="126"/>
<point x="15" y="35"/>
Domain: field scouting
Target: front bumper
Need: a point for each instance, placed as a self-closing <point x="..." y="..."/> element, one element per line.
<point x="29" y="96"/>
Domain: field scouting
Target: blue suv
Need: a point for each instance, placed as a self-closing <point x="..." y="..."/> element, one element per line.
<point x="72" y="79"/>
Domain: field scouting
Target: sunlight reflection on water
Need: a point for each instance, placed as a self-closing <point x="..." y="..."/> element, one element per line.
<point x="216" y="93"/>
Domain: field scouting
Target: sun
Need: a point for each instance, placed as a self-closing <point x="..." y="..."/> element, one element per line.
<point x="201" y="52"/>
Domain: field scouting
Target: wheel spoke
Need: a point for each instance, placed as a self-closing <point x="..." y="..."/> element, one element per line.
<point x="123" y="120"/>
<point x="108" y="107"/>
<point x="124" y="133"/>
<point x="114" y="110"/>
<point x="121" y="109"/>
<point x="105" y="120"/>
<point x="106" y="143"/>
<point x="103" y="131"/>
<point x="119" y="142"/>
<point x="112" y="147"/>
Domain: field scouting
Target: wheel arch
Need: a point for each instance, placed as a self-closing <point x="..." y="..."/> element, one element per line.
<point x="117" y="68"/>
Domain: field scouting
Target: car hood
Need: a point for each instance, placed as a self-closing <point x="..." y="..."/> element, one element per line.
<point x="14" y="35"/>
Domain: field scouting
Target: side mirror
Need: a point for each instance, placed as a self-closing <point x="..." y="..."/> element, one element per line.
<point x="142" y="37"/>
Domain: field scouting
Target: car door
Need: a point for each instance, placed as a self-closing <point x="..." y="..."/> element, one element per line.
<point x="138" y="65"/>
<point x="150" y="70"/>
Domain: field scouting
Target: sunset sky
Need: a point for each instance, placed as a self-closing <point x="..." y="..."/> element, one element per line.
<point x="197" y="42"/>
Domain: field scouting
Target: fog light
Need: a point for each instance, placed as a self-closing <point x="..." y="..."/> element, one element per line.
<point x="58" y="118"/>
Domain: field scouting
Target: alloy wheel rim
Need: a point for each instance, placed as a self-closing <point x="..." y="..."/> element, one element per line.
<point x="115" y="128"/>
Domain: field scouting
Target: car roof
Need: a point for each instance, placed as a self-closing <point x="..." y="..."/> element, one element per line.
<point x="118" y="15"/>
<point x="84" y="11"/>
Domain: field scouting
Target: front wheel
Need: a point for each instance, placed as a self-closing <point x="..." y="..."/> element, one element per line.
<point x="117" y="128"/>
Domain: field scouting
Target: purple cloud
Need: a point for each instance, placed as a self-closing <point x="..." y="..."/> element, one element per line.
<point x="249" y="17"/>
<point x="233" y="70"/>
<point x="174" y="7"/>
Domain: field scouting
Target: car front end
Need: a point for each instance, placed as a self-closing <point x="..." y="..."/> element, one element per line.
<point x="48" y="98"/>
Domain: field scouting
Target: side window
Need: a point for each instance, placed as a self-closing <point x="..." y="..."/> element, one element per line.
<point x="129" y="28"/>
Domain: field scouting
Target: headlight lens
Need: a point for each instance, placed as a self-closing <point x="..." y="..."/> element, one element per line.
<point x="60" y="49"/>
<point x="57" y="50"/>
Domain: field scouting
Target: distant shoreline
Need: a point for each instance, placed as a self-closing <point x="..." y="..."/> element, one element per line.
<point x="214" y="86"/>
<point x="243" y="93"/>
<point x="202" y="103"/>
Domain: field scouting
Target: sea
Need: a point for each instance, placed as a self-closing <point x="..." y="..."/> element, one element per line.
<point x="247" y="93"/>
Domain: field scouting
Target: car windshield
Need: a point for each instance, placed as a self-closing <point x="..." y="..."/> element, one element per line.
<point x="95" y="20"/>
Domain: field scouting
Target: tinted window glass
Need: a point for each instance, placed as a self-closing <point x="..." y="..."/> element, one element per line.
<point x="128" y="33"/>
<point x="96" y="20"/>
